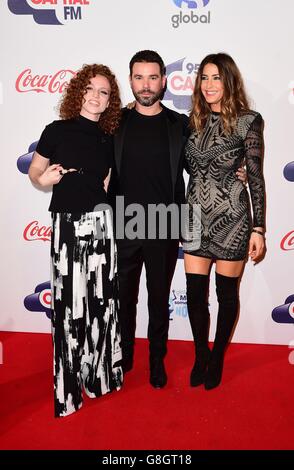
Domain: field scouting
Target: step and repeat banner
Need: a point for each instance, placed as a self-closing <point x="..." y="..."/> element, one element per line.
<point x="43" y="43"/>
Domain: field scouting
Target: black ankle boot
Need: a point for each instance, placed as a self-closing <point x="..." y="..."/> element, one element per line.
<point x="214" y="372"/>
<point x="199" y="369"/>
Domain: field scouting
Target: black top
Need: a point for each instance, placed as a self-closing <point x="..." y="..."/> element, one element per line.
<point x="145" y="172"/>
<point x="77" y="143"/>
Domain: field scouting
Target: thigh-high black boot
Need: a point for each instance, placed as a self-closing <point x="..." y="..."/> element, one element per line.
<point x="197" y="304"/>
<point x="227" y="295"/>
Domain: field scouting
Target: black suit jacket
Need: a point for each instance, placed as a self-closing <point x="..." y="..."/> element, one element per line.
<point x="177" y="126"/>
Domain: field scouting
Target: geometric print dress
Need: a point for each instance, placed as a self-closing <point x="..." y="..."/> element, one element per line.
<point x="213" y="158"/>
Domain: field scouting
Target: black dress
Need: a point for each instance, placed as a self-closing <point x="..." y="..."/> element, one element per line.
<point x="213" y="159"/>
<point x="86" y="336"/>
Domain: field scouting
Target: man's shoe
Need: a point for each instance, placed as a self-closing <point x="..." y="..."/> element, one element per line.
<point x="158" y="377"/>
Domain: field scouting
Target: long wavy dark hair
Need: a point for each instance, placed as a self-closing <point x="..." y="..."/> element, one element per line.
<point x="72" y="99"/>
<point x="234" y="101"/>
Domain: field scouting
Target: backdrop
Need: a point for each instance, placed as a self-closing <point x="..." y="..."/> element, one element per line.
<point x="45" y="41"/>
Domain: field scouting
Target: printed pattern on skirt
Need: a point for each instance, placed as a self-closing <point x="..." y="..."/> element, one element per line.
<point x="86" y="336"/>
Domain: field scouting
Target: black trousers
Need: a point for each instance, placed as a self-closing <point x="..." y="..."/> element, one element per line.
<point x="159" y="258"/>
<point x="86" y="338"/>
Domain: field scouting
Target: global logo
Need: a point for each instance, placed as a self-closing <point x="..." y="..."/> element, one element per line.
<point x="190" y="4"/>
<point x="178" y="304"/>
<point x="180" y="83"/>
<point x="284" y="313"/>
<point x="49" y="12"/>
<point x="40" y="300"/>
<point x="191" y="16"/>
<point x="289" y="172"/>
<point x="24" y="161"/>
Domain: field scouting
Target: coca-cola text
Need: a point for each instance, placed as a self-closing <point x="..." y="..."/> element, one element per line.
<point x="34" y="231"/>
<point x="56" y="83"/>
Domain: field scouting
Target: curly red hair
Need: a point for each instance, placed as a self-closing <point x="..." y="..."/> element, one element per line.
<point x="72" y="99"/>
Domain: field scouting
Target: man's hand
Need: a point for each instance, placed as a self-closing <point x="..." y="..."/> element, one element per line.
<point x="242" y="175"/>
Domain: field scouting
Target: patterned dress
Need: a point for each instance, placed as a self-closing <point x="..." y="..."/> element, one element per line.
<point x="213" y="159"/>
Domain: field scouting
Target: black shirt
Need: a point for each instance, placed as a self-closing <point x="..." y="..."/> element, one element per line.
<point x="77" y="143"/>
<point x="146" y="173"/>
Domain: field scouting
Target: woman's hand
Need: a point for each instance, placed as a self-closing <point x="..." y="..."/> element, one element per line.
<point x="43" y="174"/>
<point x="256" y="247"/>
<point x="52" y="175"/>
<point x="242" y="175"/>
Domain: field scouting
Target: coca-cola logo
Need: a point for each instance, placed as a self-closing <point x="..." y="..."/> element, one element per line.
<point x="35" y="231"/>
<point x="287" y="242"/>
<point x="27" y="81"/>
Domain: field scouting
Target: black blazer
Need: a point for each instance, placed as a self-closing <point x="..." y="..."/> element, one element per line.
<point x="177" y="126"/>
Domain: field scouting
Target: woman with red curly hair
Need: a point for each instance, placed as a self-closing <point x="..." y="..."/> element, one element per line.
<point x="74" y="155"/>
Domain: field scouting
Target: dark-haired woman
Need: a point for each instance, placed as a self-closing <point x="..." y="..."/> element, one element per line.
<point x="74" y="155"/>
<point x="224" y="133"/>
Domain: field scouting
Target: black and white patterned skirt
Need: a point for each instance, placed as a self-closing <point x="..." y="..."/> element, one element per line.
<point x="86" y="336"/>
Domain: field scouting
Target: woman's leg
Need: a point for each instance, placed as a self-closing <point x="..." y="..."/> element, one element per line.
<point x="67" y="332"/>
<point x="101" y="359"/>
<point x="197" y="278"/>
<point x="227" y="286"/>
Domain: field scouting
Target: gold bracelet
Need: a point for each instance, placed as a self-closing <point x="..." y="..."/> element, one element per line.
<point x="257" y="231"/>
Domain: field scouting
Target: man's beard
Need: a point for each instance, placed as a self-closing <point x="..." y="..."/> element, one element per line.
<point x="150" y="100"/>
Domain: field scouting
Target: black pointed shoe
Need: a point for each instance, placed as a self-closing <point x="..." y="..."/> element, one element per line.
<point x="214" y="373"/>
<point x="198" y="372"/>
<point x="158" y="377"/>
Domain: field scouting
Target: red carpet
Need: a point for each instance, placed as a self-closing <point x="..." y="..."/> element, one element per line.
<point x="252" y="409"/>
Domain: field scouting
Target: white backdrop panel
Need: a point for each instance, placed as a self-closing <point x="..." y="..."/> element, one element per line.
<point x="38" y="58"/>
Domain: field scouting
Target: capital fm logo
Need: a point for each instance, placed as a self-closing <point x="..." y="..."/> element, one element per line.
<point x="190" y="16"/>
<point x="178" y="304"/>
<point x="24" y="161"/>
<point x="56" y="82"/>
<point x="180" y="83"/>
<point x="50" y="12"/>
<point x="40" y="300"/>
<point x="284" y="313"/>
<point x="35" y="231"/>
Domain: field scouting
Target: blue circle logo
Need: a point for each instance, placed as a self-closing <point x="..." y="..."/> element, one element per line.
<point x="191" y="4"/>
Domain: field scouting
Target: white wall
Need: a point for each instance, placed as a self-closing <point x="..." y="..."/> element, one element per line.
<point x="258" y="34"/>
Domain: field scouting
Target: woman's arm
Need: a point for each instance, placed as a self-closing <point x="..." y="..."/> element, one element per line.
<point x="106" y="181"/>
<point x="42" y="174"/>
<point x="254" y="149"/>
